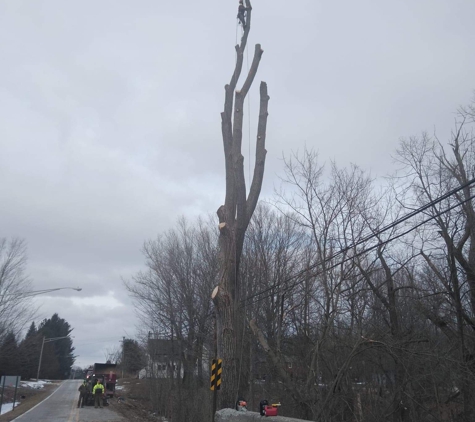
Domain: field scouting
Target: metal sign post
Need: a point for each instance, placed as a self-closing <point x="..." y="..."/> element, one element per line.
<point x="18" y="378"/>
<point x="1" y="396"/>
<point x="215" y="382"/>
<point x="215" y="392"/>
<point x="9" y="381"/>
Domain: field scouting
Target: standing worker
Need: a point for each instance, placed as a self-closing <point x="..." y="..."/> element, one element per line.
<point x="82" y="393"/>
<point x="98" y="392"/>
<point x="88" y="391"/>
<point x="242" y="14"/>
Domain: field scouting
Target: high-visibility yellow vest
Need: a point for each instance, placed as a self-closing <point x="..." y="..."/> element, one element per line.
<point x="98" y="387"/>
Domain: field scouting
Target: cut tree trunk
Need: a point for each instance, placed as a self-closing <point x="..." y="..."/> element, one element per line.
<point x="235" y="214"/>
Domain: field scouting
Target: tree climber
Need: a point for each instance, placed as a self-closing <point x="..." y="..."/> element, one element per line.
<point x="242" y="14"/>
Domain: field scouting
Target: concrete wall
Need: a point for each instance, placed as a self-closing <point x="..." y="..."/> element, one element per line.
<point x="231" y="415"/>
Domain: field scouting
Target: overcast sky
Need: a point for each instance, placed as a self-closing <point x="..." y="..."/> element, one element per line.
<point x="110" y="119"/>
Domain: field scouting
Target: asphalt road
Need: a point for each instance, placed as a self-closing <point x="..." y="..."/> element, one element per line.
<point x="61" y="406"/>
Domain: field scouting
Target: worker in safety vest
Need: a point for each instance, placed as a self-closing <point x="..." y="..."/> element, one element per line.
<point x="242" y="14"/>
<point x="98" y="391"/>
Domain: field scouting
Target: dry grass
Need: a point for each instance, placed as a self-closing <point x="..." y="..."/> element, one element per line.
<point x="135" y="404"/>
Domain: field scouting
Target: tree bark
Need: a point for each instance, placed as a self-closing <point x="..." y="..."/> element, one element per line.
<point x="235" y="214"/>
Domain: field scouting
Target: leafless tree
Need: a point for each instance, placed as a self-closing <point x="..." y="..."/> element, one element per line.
<point x="113" y="354"/>
<point x="272" y="254"/>
<point x="172" y="297"/>
<point x="448" y="241"/>
<point x="172" y="300"/>
<point x="15" y="305"/>
<point x="235" y="215"/>
<point x="353" y="298"/>
<point x="324" y="212"/>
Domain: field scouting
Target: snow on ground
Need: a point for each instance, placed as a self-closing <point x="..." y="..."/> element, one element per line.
<point x="35" y="384"/>
<point x="7" y="407"/>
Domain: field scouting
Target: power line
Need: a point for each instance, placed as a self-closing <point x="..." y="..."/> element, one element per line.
<point x="365" y="239"/>
<point x="92" y="341"/>
<point x="379" y="244"/>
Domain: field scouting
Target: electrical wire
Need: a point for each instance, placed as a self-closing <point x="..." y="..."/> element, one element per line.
<point x="365" y="239"/>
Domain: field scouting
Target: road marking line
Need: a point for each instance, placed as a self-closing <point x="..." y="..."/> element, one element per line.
<point x="42" y="401"/>
<point x="71" y="413"/>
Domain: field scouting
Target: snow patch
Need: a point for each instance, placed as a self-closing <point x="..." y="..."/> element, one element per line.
<point x="8" y="407"/>
<point x="37" y="385"/>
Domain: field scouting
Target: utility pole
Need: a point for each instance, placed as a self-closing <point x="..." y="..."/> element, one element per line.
<point x="41" y="356"/>
<point x="123" y="356"/>
<point x="46" y="340"/>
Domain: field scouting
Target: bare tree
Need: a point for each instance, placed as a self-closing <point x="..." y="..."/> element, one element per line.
<point x="311" y="302"/>
<point x="172" y="297"/>
<point x="113" y="354"/>
<point x="448" y="241"/>
<point x="272" y="253"/>
<point x="235" y="215"/>
<point x="172" y="300"/>
<point x="348" y="315"/>
<point x="15" y="305"/>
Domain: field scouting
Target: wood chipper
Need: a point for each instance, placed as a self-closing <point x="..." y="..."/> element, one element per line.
<point x="106" y="373"/>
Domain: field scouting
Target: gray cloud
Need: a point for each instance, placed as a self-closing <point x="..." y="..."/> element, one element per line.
<point x="110" y="126"/>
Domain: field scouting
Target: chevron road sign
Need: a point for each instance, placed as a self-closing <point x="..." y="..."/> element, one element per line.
<point x="216" y="370"/>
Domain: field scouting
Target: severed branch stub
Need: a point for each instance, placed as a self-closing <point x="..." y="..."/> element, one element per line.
<point x="236" y="212"/>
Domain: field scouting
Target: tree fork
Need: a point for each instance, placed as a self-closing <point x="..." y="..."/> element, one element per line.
<point x="234" y="216"/>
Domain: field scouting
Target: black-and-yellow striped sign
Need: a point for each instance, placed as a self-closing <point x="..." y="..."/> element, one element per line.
<point x="216" y="370"/>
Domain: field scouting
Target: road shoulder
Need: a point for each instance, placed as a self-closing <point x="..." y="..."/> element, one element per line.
<point x="32" y="399"/>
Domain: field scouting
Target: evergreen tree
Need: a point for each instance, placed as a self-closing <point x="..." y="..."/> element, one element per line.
<point x="133" y="356"/>
<point x="9" y="362"/>
<point x="29" y="352"/>
<point x="50" y="363"/>
<point x="32" y="331"/>
<point x="62" y="349"/>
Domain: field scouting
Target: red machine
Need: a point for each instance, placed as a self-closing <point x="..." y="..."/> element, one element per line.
<point x="266" y="409"/>
<point x="270" y="411"/>
<point x="106" y="373"/>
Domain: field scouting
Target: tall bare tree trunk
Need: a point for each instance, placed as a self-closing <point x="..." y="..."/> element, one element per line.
<point x="235" y="214"/>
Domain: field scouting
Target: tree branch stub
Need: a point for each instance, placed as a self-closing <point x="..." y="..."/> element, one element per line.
<point x="234" y="215"/>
